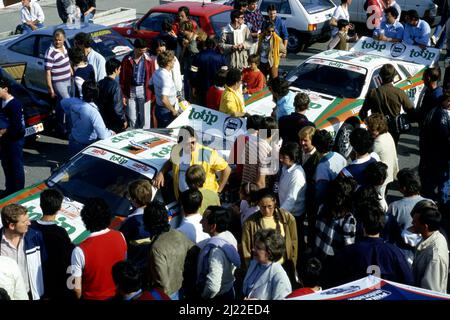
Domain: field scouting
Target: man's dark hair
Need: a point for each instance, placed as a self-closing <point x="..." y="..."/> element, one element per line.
<point x="361" y="141"/>
<point x="156" y="220"/>
<point x="387" y="73"/>
<point x="51" y="201"/>
<point x="191" y="200"/>
<point x="89" y="89"/>
<point x="433" y="73"/>
<point x="139" y="43"/>
<point x="167" y="25"/>
<point x="392" y="10"/>
<point x="428" y="214"/>
<point x="220" y="77"/>
<point x="269" y="124"/>
<point x="235" y="14"/>
<point x="4" y="295"/>
<point x="273" y="243"/>
<point x="339" y="195"/>
<point x="112" y="65"/>
<point x="292" y="150"/>
<point x="322" y="141"/>
<point x="373" y="219"/>
<point x="4" y="83"/>
<point x="409" y="181"/>
<point x="96" y="215"/>
<point x="375" y="174"/>
<point x="210" y="43"/>
<point x="239" y="4"/>
<point x="255" y="122"/>
<point x="126" y="276"/>
<point x="280" y="86"/>
<point x="271" y="7"/>
<point x="413" y="14"/>
<point x="342" y="23"/>
<point x="253" y="58"/>
<point x="301" y="102"/>
<point x="219" y="216"/>
<point x="186" y="132"/>
<point x="59" y="31"/>
<point x="310" y="276"/>
<point x="76" y="55"/>
<point x="234" y="75"/>
<point x="184" y="9"/>
<point x="83" y="39"/>
<point x="155" y="44"/>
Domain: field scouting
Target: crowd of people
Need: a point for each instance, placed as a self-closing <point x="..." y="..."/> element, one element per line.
<point x="299" y="216"/>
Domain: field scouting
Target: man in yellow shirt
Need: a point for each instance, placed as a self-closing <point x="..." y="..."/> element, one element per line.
<point x="232" y="101"/>
<point x="189" y="152"/>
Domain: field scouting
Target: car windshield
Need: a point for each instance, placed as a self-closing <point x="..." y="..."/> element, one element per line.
<point x="219" y="21"/>
<point x="97" y="172"/>
<point x="109" y="43"/>
<point x="315" y="6"/>
<point x="331" y="80"/>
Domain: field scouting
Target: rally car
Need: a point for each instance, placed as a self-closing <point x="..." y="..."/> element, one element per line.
<point x="337" y="82"/>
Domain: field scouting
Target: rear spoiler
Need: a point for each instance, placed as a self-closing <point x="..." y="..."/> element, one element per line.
<point x="397" y="51"/>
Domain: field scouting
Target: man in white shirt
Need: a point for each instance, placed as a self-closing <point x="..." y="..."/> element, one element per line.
<point x="31" y="15"/>
<point x="11" y="279"/>
<point x="191" y="200"/>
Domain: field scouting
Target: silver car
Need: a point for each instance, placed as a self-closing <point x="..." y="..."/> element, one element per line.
<point x="31" y="47"/>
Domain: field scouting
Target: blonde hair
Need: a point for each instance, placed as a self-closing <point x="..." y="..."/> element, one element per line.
<point x="307" y="131"/>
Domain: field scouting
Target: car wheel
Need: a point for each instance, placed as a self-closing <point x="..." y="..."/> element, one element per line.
<point x="342" y="140"/>
<point x="295" y="43"/>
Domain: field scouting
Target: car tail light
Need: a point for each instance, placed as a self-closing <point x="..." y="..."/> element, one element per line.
<point x="312" y="27"/>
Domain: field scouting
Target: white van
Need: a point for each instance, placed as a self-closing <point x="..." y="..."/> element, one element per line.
<point x="307" y="21"/>
<point x="427" y="9"/>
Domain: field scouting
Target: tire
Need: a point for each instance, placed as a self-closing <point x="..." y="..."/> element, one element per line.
<point x="342" y="140"/>
<point x="295" y="42"/>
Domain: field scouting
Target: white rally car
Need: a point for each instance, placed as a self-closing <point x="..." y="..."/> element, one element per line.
<point x="337" y="81"/>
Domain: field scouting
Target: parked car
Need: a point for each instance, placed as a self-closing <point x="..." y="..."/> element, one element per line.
<point x="210" y="17"/>
<point x="36" y="111"/>
<point x="31" y="47"/>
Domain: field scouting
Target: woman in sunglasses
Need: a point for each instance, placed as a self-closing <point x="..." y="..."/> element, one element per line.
<point x="270" y="49"/>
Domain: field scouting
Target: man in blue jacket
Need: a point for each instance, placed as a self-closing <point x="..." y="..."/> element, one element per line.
<point x="280" y="25"/>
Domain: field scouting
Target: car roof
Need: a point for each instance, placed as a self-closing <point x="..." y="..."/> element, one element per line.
<point x="368" y="61"/>
<point x="71" y="32"/>
<point x="195" y="8"/>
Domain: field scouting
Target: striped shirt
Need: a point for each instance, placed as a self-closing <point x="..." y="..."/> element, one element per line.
<point x="59" y="64"/>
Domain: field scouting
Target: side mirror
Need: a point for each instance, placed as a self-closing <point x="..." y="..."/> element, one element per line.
<point x="55" y="168"/>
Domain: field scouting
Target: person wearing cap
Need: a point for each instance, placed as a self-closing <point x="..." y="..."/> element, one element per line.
<point x="134" y="79"/>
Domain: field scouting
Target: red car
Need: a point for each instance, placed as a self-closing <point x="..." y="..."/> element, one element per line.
<point x="210" y="17"/>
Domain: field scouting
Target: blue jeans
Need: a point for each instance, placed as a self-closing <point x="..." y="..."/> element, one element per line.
<point x="26" y="28"/>
<point x="62" y="91"/>
<point x="163" y="116"/>
<point x="88" y="18"/>
<point x="12" y="163"/>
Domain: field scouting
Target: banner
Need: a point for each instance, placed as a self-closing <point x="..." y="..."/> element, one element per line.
<point x="397" y="50"/>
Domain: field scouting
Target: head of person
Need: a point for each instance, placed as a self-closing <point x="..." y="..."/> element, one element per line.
<point x="409" y="182"/>
<point x="376" y="124"/>
<point x="249" y="192"/>
<point x="431" y="75"/>
<point x="156" y="219"/>
<point x="96" y="215"/>
<point x="412" y="17"/>
<point x="157" y="47"/>
<point x="183" y="13"/>
<point x="322" y="141"/>
<point x="236" y="17"/>
<point x="253" y="60"/>
<point x="26" y="3"/>
<point x="375" y="174"/>
<point x="112" y="66"/>
<point x="77" y="56"/>
<point x="234" y="78"/>
<point x="310" y="276"/>
<point x="373" y="219"/>
<point x="195" y="176"/>
<point x="268" y="28"/>
<point x="166" y="59"/>
<point x="127" y="277"/>
<point x="59" y="36"/>
<point x="361" y="141"/>
<point x="241" y="5"/>
<point x="4" y="295"/>
<point x="140" y="47"/>
<point x="187" y="138"/>
<point x="5" y="88"/>
<point x="220" y="77"/>
<point x="15" y="219"/>
<point x="339" y="196"/>
<point x="426" y="218"/>
<point x="391" y="14"/>
<point x="305" y="138"/>
<point x="167" y="25"/>
<point x="216" y="219"/>
<point x="140" y="192"/>
<point x="269" y="246"/>
<point x="90" y="90"/>
<point x="267" y="202"/>
<point x="210" y="43"/>
<point x="83" y="40"/>
<point x="191" y="201"/>
<point x="252" y="5"/>
<point x="279" y="87"/>
<point x="301" y="102"/>
<point x="343" y="25"/>
<point x="187" y="28"/>
<point x="272" y="12"/>
<point x="254" y="122"/>
<point x="387" y="73"/>
<point x="50" y="201"/>
<point x="270" y="125"/>
<point x="289" y="154"/>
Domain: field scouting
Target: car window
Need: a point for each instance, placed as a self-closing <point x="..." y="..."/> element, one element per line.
<point x="375" y="81"/>
<point x="25" y="46"/>
<point x="43" y="44"/>
<point x="154" y="21"/>
<point x="283" y="7"/>
<point x="315" y="6"/>
<point x="219" y="21"/>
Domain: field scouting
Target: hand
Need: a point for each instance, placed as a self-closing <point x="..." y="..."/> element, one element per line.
<point x="125" y="124"/>
<point x="283" y="55"/>
<point x="351" y="26"/>
<point x="158" y="182"/>
<point x="86" y="13"/>
<point x="174" y="112"/>
<point x="185" y="42"/>
<point x="52" y="93"/>
<point x="125" y="101"/>
<point x="172" y="34"/>
<point x="244" y="90"/>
